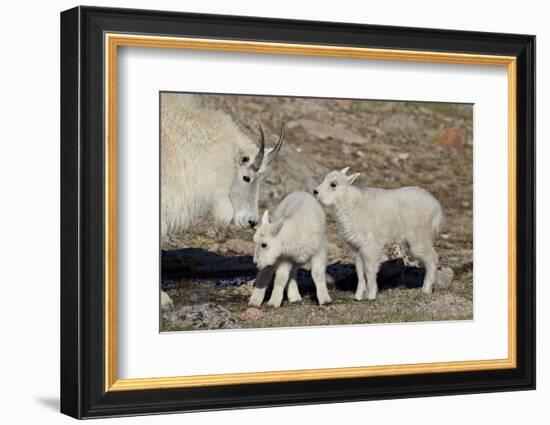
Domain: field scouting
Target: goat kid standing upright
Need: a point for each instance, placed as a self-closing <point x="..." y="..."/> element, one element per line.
<point x="369" y="219"/>
<point x="293" y="238"/>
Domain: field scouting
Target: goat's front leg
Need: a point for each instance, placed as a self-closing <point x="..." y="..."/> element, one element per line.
<point x="371" y="260"/>
<point x="361" y="282"/>
<point x="166" y="303"/>
<point x="281" y="279"/>
<point x="263" y="279"/>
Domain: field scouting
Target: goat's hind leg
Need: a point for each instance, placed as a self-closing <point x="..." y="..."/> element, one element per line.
<point x="318" y="273"/>
<point x="292" y="292"/>
<point x="281" y="279"/>
<point x="424" y="250"/>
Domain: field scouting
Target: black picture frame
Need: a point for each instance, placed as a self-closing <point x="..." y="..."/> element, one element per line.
<point x="83" y="392"/>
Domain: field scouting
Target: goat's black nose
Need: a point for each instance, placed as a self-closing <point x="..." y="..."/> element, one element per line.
<point x="315" y="192"/>
<point x="252" y="223"/>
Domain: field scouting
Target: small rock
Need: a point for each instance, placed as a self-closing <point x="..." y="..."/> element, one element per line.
<point x="251" y="314"/>
<point x="451" y="138"/>
<point x="444" y="275"/>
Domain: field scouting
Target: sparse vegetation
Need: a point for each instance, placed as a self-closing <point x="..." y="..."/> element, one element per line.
<point x="393" y="144"/>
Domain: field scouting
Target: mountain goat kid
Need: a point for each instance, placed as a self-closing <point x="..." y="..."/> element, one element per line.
<point x="368" y="219"/>
<point x="295" y="236"/>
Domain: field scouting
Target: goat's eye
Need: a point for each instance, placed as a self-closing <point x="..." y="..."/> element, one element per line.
<point x="245" y="159"/>
<point x="333" y="185"/>
<point x="246" y="179"/>
<point x="264" y="245"/>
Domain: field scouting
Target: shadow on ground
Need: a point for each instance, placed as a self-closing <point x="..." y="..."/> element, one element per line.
<point x="211" y="291"/>
<point x="202" y="265"/>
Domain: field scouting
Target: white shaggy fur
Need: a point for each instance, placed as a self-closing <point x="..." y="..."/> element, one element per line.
<point x="166" y="303"/>
<point x="207" y="165"/>
<point x="294" y="237"/>
<point x="205" y="159"/>
<point x="368" y="219"/>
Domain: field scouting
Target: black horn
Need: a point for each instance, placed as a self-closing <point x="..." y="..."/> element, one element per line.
<point x="273" y="153"/>
<point x="260" y="156"/>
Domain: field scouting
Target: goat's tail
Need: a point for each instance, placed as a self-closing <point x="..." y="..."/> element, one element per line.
<point x="439" y="222"/>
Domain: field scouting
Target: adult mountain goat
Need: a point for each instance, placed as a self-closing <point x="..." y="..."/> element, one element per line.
<point x="208" y="165"/>
<point x="369" y="219"/>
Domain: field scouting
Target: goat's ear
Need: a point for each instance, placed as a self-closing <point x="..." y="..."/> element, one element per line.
<point x="276" y="227"/>
<point x="265" y="217"/>
<point x="244" y="159"/>
<point x="344" y="171"/>
<point x="352" y="178"/>
<point x="241" y="158"/>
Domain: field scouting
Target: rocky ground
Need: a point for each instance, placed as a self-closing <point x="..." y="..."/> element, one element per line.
<point x="393" y="144"/>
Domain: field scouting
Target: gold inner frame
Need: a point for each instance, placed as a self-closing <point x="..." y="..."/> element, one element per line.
<point x="113" y="41"/>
